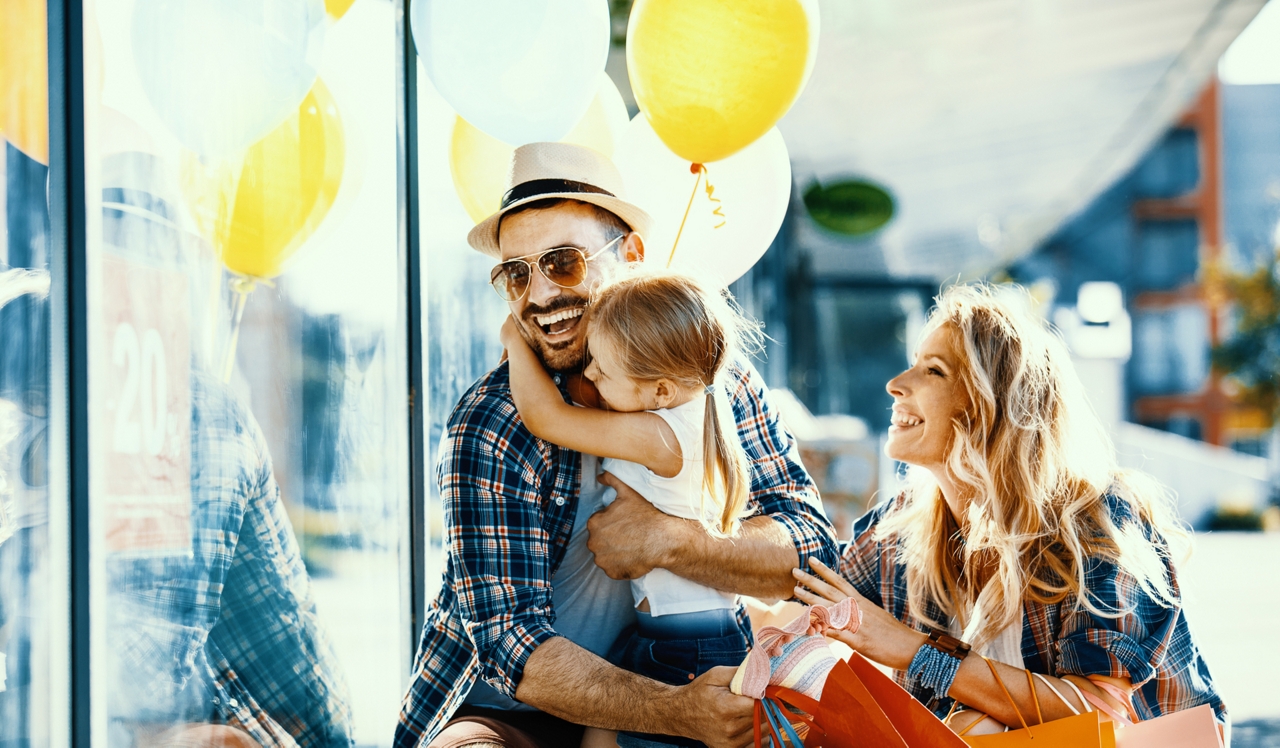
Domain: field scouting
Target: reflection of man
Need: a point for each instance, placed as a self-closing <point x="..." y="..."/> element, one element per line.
<point x="220" y="646"/>
<point x="229" y="635"/>
<point x="512" y="647"/>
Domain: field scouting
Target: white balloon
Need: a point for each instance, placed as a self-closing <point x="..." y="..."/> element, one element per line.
<point x="753" y="188"/>
<point x="522" y="71"/>
<point x="222" y="74"/>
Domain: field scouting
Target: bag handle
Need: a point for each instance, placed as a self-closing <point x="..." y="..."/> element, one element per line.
<point x="794" y="698"/>
<point x="1087" y="706"/>
<point x="1007" y="695"/>
<point x="1122" y="720"/>
<point x="799" y="701"/>
<point x="1034" y="697"/>
<point x="780" y="724"/>
<point x="1058" y="693"/>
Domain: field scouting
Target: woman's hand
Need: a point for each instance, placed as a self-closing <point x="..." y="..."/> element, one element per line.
<point x="881" y="637"/>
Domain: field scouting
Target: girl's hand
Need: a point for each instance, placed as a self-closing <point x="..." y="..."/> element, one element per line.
<point x="881" y="637"/>
<point x="510" y="335"/>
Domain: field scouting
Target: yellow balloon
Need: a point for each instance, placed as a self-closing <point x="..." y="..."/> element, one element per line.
<point x="24" y="77"/>
<point x="479" y="162"/>
<point x="258" y="209"/>
<point x="337" y="8"/>
<point x="713" y="76"/>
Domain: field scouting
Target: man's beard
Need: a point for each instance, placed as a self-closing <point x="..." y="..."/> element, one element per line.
<point x="564" y="357"/>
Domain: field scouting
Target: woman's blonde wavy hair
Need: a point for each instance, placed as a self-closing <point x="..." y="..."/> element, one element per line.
<point x="669" y="325"/>
<point x="1035" y="462"/>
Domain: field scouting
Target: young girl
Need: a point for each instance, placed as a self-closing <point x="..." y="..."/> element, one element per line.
<point x="658" y="345"/>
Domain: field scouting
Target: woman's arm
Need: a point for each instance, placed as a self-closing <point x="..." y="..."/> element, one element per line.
<point x="888" y="641"/>
<point x="637" y="437"/>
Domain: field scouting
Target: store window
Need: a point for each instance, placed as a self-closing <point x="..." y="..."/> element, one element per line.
<point x="29" y="601"/>
<point x="249" y="450"/>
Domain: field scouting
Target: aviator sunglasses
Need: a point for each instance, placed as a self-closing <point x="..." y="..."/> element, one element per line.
<point x="564" y="266"/>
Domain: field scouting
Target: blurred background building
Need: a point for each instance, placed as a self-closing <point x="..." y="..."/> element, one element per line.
<point x="1106" y="181"/>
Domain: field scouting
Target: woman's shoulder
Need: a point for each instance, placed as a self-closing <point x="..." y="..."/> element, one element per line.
<point x="866" y="525"/>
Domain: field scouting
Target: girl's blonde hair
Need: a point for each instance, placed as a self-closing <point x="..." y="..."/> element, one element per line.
<point x="1035" y="463"/>
<point x="668" y="325"/>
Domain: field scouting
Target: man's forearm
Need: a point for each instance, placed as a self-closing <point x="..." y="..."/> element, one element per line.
<point x="563" y="679"/>
<point x="757" y="561"/>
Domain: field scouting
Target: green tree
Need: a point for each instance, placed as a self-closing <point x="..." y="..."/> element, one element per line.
<point x="1250" y="357"/>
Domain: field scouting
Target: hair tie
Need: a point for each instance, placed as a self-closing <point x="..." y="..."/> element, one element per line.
<point x="709" y="390"/>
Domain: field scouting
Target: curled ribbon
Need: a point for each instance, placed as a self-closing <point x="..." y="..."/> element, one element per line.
<point x="770" y="640"/>
<point x="711" y="195"/>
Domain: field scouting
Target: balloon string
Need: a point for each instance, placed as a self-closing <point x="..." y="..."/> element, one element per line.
<point x="696" y="169"/>
<point x="242" y="286"/>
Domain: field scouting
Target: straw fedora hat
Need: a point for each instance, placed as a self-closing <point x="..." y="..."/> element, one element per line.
<point x="559" y="170"/>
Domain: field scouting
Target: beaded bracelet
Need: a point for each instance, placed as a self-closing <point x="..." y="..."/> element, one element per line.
<point x="934" y="669"/>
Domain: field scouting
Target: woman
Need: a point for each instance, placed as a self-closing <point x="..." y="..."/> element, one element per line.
<point x="1018" y="535"/>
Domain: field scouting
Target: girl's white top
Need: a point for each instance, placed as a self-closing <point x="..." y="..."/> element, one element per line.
<point x="679" y="496"/>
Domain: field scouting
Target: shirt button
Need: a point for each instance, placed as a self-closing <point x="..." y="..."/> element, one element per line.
<point x="559" y="501"/>
<point x="556" y="378"/>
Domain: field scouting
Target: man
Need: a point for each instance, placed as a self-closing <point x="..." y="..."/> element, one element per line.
<point x="524" y="613"/>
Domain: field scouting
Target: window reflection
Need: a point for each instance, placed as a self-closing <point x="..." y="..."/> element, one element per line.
<point x="26" y="594"/>
<point x="248" y="387"/>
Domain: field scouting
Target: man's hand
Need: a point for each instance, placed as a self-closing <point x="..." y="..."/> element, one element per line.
<point x="713" y="714"/>
<point x="629" y="536"/>
<point x="565" y="680"/>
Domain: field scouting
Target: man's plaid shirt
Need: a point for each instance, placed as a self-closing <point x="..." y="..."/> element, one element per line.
<point x="510" y="500"/>
<point x="1149" y="644"/>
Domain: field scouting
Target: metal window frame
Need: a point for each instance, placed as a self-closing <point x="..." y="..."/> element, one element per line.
<point x="69" y="356"/>
<point x="410" y="231"/>
<point x="72" y="707"/>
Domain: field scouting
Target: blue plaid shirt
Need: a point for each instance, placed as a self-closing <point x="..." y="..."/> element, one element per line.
<point x="510" y="500"/>
<point x="228" y="635"/>
<point x="1149" y="644"/>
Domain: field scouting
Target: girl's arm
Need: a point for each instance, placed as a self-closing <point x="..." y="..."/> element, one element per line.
<point x="637" y="437"/>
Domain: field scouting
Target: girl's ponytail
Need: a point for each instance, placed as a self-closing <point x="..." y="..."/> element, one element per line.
<point x="724" y="467"/>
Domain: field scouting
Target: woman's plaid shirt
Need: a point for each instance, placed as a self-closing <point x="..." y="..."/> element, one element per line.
<point x="1149" y="644"/>
<point x="510" y="501"/>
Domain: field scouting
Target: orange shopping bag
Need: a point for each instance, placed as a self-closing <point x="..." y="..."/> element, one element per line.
<point x="861" y="706"/>
<point x="1190" y="728"/>
<point x="1086" y="730"/>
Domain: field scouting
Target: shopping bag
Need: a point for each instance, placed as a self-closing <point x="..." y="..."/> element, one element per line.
<point x="916" y="725"/>
<point x="1190" y="728"/>
<point x="789" y="665"/>
<point x="1085" y="730"/>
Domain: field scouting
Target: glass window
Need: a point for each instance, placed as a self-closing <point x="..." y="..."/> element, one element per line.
<point x="463" y="314"/>
<point x="27" y="597"/>
<point x="1170" y="350"/>
<point x="1167" y="255"/>
<point x="248" y="381"/>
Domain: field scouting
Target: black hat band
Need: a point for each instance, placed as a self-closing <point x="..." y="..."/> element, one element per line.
<point x="535" y="187"/>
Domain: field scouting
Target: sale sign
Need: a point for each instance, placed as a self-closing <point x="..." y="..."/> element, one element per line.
<point x="145" y="423"/>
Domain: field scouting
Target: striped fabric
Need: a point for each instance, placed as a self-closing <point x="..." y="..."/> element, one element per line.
<point x="509" y="503"/>
<point x="796" y="656"/>
<point x="1149" y="644"/>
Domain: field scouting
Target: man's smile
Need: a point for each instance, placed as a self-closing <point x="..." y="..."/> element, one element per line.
<point x="559" y="325"/>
